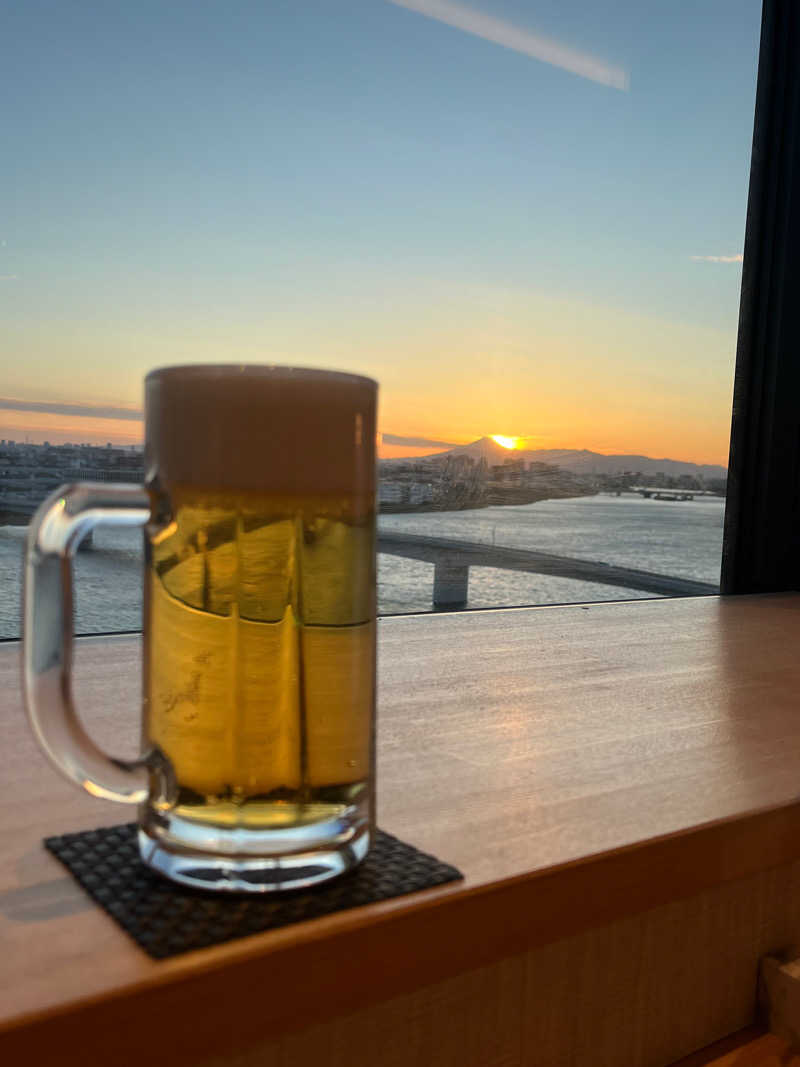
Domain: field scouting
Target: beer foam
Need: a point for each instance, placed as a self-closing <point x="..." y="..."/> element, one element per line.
<point x="260" y="428"/>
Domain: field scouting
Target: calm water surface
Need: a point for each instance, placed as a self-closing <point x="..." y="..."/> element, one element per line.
<point x="682" y="538"/>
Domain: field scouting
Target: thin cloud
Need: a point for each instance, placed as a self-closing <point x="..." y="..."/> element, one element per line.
<point x="414" y="442"/>
<point x="8" y="277"/>
<point x="719" y="259"/>
<point x="535" y="45"/>
<point x="91" y="411"/>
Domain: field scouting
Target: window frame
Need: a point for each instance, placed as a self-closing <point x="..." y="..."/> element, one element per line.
<point x="762" y="534"/>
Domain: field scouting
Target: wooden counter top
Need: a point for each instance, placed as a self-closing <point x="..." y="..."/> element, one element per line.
<point x="578" y="764"/>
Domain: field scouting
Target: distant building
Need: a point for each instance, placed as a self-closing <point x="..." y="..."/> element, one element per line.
<point x="420" y="493"/>
<point x="391" y="492"/>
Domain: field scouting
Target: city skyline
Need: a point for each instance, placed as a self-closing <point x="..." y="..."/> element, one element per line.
<point x="522" y="218"/>
<point x="483" y="464"/>
<point x="389" y="445"/>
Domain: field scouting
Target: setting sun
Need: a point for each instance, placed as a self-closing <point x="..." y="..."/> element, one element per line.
<point x="506" y="442"/>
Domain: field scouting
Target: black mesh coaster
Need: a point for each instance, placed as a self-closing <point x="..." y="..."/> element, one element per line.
<point x="166" y="918"/>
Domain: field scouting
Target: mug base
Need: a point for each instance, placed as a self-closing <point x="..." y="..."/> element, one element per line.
<point x="253" y="874"/>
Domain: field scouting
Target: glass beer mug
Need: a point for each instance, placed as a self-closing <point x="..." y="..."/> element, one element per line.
<point x="257" y="765"/>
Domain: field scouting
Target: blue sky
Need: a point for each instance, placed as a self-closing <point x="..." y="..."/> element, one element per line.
<point x="356" y="184"/>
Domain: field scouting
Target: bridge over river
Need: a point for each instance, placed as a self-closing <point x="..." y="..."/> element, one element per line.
<point x="452" y="560"/>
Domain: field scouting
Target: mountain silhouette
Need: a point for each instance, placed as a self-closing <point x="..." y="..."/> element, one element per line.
<point x="577" y="460"/>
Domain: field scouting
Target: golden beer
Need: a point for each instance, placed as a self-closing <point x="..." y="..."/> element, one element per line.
<point x="259" y="685"/>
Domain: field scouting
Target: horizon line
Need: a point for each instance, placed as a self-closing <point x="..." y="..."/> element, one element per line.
<point x="408" y="440"/>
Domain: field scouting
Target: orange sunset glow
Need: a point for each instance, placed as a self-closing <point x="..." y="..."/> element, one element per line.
<point x="59" y="429"/>
<point x="632" y="432"/>
<point x="552" y="373"/>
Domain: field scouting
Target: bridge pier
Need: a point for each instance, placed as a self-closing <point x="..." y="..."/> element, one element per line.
<point x="450" y="584"/>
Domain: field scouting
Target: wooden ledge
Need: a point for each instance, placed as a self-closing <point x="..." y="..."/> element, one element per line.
<point x="579" y="764"/>
<point x="749" y="1048"/>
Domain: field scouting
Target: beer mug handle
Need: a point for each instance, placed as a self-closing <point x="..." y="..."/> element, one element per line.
<point x="59" y="525"/>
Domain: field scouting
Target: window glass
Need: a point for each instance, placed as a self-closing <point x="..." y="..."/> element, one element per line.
<point x="525" y="218"/>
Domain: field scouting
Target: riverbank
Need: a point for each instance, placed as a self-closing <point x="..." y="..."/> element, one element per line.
<point x="511" y="496"/>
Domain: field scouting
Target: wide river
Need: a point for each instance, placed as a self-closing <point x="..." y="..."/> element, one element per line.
<point x="682" y="538"/>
